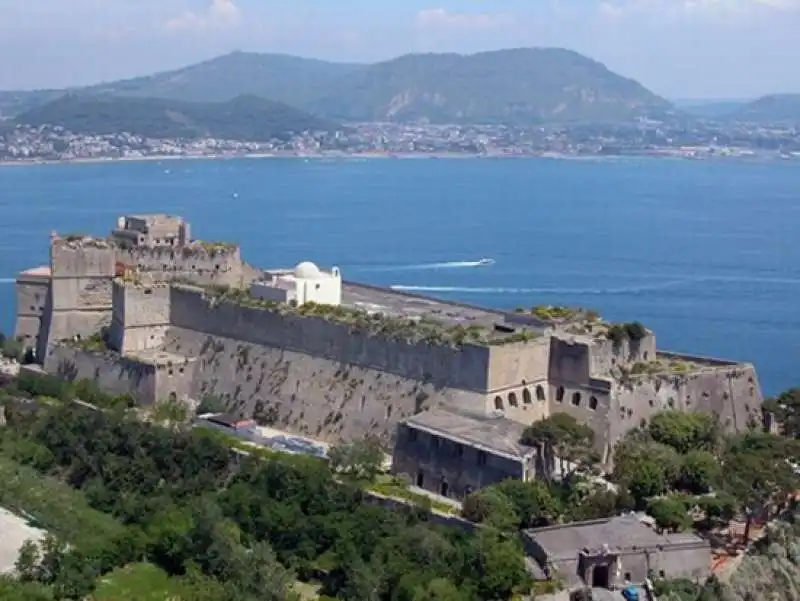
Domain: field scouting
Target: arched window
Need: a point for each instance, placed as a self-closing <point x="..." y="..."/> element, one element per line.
<point x="526" y="396"/>
<point x="540" y="393"/>
<point x="576" y="399"/>
<point x="512" y="399"/>
<point x="560" y="394"/>
<point x="593" y="403"/>
<point x="498" y="403"/>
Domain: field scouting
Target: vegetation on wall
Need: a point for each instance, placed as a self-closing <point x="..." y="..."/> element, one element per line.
<point x="620" y="332"/>
<point x="425" y="329"/>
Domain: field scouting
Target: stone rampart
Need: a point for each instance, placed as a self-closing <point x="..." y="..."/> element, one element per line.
<point x="729" y="391"/>
<point x="81" y="257"/>
<point x="517" y="364"/>
<point x="465" y="367"/>
<point x="312" y="395"/>
<point x="33" y="306"/>
<point x="141" y="316"/>
<point x="202" y="263"/>
<point x="607" y="354"/>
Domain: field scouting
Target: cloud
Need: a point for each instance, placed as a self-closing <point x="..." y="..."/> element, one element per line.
<point x="617" y="8"/>
<point x="439" y="17"/>
<point x="221" y="13"/>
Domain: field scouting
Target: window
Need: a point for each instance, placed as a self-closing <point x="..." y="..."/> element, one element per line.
<point x="593" y="403"/>
<point x="526" y="397"/>
<point x="482" y="458"/>
<point x="512" y="399"/>
<point x="498" y="403"/>
<point x="627" y="576"/>
<point x="444" y="488"/>
<point x="576" y="399"/>
<point x="173" y="397"/>
<point x="540" y="393"/>
<point x="560" y="394"/>
<point x="420" y="479"/>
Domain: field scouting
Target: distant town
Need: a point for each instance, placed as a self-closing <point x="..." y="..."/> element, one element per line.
<point x="699" y="140"/>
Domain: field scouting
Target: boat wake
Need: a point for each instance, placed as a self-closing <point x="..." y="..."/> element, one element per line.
<point x="564" y="291"/>
<point x="644" y="288"/>
<point x="435" y="266"/>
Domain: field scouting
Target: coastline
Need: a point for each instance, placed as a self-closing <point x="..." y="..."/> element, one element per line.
<point x="382" y="156"/>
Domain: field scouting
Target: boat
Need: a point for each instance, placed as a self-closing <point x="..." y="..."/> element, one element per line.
<point x="483" y="262"/>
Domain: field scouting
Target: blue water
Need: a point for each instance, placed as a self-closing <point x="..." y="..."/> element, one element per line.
<point x="705" y="253"/>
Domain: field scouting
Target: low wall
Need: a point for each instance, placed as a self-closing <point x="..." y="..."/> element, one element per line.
<point x="465" y="367"/>
<point x="113" y="374"/>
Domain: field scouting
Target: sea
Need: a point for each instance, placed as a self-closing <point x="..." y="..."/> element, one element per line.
<point x="706" y="253"/>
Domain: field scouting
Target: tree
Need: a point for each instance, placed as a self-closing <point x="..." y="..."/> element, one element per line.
<point x="758" y="472"/>
<point x="490" y="506"/>
<point x="561" y="436"/>
<point x="439" y="589"/>
<point x="683" y="431"/>
<point x="362" y="459"/>
<point x="644" y="467"/>
<point x="532" y="501"/>
<point x="670" y="513"/>
<point x="500" y="562"/>
<point x="786" y="408"/>
<point x="699" y="472"/>
<point x="27" y="564"/>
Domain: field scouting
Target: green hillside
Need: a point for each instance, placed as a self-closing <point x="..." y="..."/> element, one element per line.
<point x="773" y="109"/>
<point x="246" y="118"/>
<point x="506" y="86"/>
<point x="279" y="77"/>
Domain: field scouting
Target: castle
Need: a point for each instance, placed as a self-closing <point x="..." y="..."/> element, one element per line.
<point x="152" y="312"/>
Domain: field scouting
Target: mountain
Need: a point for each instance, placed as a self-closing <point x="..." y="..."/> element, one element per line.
<point x="245" y="118"/>
<point x="527" y="85"/>
<point x="279" y="77"/>
<point x="523" y="86"/>
<point x="773" y="109"/>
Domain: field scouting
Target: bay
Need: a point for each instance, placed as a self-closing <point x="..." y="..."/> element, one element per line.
<point x="706" y="253"/>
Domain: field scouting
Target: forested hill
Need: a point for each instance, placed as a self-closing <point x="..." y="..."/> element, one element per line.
<point x="518" y="86"/>
<point x="245" y="118"/>
<point x="774" y="109"/>
<point x="527" y="85"/>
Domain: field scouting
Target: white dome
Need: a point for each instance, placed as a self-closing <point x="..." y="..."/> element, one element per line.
<point x="307" y="271"/>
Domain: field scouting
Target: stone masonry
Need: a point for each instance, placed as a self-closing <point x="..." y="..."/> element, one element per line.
<point x="148" y="290"/>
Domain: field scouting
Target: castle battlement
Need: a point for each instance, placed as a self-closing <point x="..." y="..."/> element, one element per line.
<point x="335" y="359"/>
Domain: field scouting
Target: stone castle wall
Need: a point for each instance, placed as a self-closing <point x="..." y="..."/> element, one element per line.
<point x="202" y="264"/>
<point x="312" y="395"/>
<point x="466" y="368"/>
<point x="140" y="317"/>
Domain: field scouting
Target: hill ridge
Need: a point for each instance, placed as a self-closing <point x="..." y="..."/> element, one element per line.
<point x="516" y="85"/>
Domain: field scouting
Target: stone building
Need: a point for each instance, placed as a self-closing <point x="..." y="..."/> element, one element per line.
<point x="453" y="454"/>
<point x="613" y="552"/>
<point x="185" y="318"/>
<point x="306" y="283"/>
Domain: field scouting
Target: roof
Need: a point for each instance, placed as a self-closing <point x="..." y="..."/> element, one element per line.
<point x="624" y="532"/>
<point x="495" y="435"/>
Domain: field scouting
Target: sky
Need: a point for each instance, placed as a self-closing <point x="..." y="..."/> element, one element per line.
<point x="681" y="49"/>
